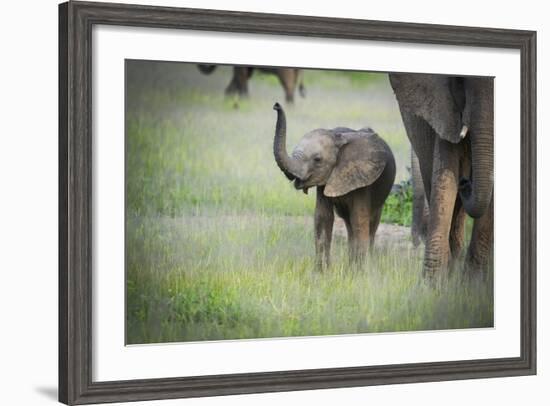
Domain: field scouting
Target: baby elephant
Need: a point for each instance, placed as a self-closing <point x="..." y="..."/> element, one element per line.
<point x="353" y="172"/>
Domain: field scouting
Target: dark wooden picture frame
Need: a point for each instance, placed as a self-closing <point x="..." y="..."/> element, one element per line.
<point x="76" y="20"/>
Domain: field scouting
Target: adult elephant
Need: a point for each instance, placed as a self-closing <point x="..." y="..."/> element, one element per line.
<point x="290" y="79"/>
<point x="449" y="122"/>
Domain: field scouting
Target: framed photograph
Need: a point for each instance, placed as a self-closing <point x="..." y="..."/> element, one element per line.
<point x="259" y="202"/>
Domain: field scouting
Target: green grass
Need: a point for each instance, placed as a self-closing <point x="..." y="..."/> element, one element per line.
<point x="399" y="206"/>
<point x="219" y="244"/>
<point x="223" y="277"/>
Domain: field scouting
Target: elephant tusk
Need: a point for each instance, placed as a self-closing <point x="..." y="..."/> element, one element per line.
<point x="463" y="132"/>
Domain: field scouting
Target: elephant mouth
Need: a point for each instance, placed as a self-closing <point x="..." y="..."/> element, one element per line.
<point x="300" y="184"/>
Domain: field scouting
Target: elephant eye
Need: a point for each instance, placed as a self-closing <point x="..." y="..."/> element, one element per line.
<point x="317" y="159"/>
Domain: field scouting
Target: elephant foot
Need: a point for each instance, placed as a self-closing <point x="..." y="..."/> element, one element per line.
<point x="433" y="271"/>
<point x="358" y="252"/>
<point x="235" y="91"/>
<point x="416" y="239"/>
<point x="436" y="261"/>
<point x="359" y="259"/>
<point x="476" y="265"/>
<point x="322" y="265"/>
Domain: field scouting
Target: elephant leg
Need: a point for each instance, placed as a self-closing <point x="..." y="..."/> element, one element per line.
<point x="481" y="244"/>
<point x="373" y="225"/>
<point x="239" y="82"/>
<point x="300" y="82"/>
<point x="444" y="190"/>
<point x="422" y="138"/>
<point x="421" y="213"/>
<point x="360" y="218"/>
<point x="323" y="223"/>
<point x="288" y="77"/>
<point x="456" y="235"/>
<point x="351" y="237"/>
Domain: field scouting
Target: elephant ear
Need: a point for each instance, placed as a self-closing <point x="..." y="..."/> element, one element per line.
<point x="360" y="162"/>
<point x="436" y="99"/>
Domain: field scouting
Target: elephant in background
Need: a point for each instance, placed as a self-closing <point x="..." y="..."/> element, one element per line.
<point x="290" y="78"/>
<point x="449" y="122"/>
<point x="353" y="172"/>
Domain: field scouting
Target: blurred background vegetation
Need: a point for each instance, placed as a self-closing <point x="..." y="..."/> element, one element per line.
<point x="189" y="148"/>
<point x="220" y="245"/>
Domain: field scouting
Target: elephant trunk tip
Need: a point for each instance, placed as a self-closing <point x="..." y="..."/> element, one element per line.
<point x="277" y="106"/>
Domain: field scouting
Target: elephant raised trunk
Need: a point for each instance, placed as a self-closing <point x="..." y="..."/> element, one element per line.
<point x="287" y="164"/>
<point x="477" y="192"/>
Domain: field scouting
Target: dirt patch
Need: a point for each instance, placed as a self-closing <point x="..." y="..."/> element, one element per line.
<point x="387" y="235"/>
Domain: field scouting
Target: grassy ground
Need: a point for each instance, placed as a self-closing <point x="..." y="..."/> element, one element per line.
<point x="220" y="246"/>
